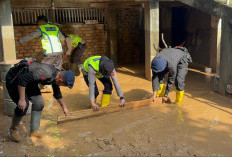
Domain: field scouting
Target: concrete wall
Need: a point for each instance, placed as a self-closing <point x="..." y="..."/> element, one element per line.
<point x="94" y="35"/>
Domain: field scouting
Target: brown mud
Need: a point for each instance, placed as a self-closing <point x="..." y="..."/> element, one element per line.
<point x="201" y="126"/>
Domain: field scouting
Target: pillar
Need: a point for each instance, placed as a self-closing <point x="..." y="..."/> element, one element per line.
<point x="225" y="57"/>
<point x="7" y="31"/>
<point x="151" y="34"/>
<point x="112" y="34"/>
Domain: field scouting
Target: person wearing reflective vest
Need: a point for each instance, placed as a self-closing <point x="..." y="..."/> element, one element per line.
<point x="50" y="38"/>
<point x="76" y="47"/>
<point x="174" y="62"/>
<point x="102" y="68"/>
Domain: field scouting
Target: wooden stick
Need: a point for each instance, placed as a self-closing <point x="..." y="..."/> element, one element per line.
<point x="82" y="114"/>
<point x="162" y="36"/>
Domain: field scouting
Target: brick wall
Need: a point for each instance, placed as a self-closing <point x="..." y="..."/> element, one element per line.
<point x="94" y="35"/>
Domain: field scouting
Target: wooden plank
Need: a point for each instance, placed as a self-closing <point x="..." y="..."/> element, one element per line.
<point x="99" y="5"/>
<point x="82" y="114"/>
<point x="19" y="20"/>
<point x="22" y="17"/>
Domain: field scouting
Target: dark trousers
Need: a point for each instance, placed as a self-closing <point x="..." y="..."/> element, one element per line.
<point x="77" y="53"/>
<point x="182" y="70"/>
<point x="32" y="94"/>
<point x="108" y="87"/>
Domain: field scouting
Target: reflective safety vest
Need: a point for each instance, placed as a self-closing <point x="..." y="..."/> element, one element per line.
<point x="94" y="62"/>
<point x="50" y="38"/>
<point x="75" y="40"/>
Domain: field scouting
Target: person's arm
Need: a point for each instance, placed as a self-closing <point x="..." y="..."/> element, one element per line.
<point x="62" y="104"/>
<point x="61" y="36"/>
<point x="92" y="80"/>
<point x="58" y="96"/>
<point x="36" y="33"/>
<point x="155" y="85"/>
<point x="23" y="79"/>
<point x="118" y="88"/>
<point x="68" y="41"/>
<point x="22" y="102"/>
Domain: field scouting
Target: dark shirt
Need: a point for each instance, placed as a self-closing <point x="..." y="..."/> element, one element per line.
<point x="173" y="57"/>
<point x="40" y="73"/>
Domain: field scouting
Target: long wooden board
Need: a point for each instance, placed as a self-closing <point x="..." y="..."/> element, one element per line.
<point x="90" y="113"/>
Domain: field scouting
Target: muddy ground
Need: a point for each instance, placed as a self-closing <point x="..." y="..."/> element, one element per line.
<point x="200" y="127"/>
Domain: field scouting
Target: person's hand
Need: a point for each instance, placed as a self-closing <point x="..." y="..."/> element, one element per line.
<point x="65" y="55"/>
<point x="166" y="100"/>
<point x="95" y="107"/>
<point x="122" y="103"/>
<point x="22" y="104"/>
<point x="153" y="97"/>
<point x="65" y="110"/>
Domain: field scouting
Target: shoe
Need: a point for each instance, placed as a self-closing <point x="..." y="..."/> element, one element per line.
<point x="14" y="134"/>
<point x="36" y="134"/>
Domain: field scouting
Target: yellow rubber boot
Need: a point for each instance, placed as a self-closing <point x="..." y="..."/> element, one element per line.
<point x="161" y="92"/>
<point x="105" y="100"/>
<point x="95" y="100"/>
<point x="179" y="97"/>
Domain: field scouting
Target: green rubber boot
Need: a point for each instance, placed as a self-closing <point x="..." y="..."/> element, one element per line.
<point x="14" y="134"/>
<point x="35" y="124"/>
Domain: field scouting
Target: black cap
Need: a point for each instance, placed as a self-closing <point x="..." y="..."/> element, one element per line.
<point x="107" y="68"/>
<point x="158" y="65"/>
<point x="42" y="18"/>
<point x="69" y="78"/>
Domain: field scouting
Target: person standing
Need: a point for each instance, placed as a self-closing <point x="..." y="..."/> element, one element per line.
<point x="50" y="38"/>
<point x="102" y="68"/>
<point x="174" y="62"/>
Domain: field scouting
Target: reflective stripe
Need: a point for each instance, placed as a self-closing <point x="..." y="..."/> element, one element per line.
<point x="96" y="59"/>
<point x="50" y="38"/>
<point x="49" y="41"/>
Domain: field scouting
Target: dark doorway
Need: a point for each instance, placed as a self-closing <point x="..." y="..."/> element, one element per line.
<point x="179" y="25"/>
